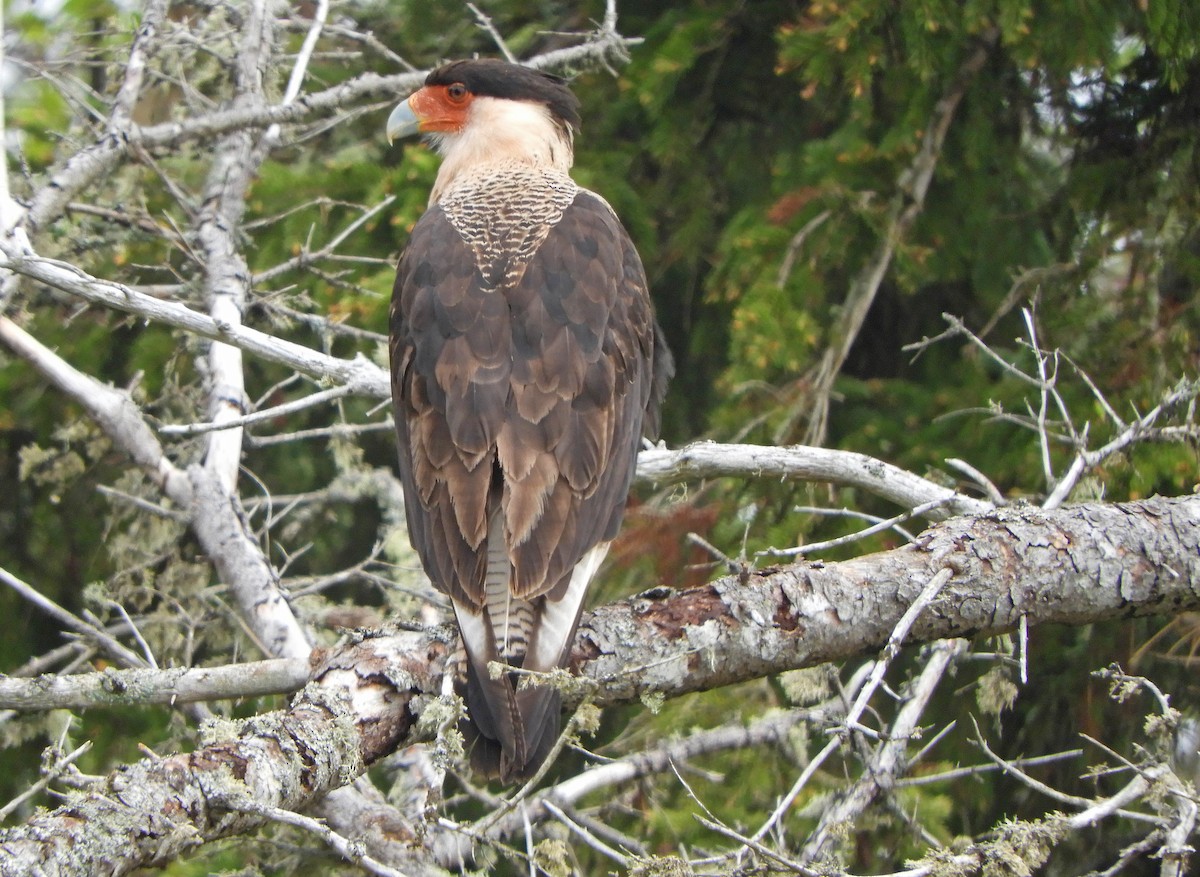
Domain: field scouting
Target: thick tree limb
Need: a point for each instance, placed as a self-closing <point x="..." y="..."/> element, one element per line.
<point x="152" y="812"/>
<point x="1074" y="565"/>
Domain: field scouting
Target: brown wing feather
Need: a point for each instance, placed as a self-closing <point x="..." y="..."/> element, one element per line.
<point x="584" y="337"/>
<point x="551" y="378"/>
<point x="530" y="389"/>
<point x="446" y="438"/>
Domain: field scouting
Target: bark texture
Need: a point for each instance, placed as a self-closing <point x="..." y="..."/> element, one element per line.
<point x="1074" y="565"/>
<point x="357" y="709"/>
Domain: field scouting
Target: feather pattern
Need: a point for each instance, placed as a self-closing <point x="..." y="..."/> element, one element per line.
<point x="526" y="367"/>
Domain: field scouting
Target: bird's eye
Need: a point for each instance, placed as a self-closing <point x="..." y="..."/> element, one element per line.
<point x="456" y="92"/>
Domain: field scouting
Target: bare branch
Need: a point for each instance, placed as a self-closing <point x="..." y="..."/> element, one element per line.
<point x="585" y="835"/>
<point x="145" y="44"/>
<point x="112" y="688"/>
<point x="296" y="79"/>
<point x="659" y="759"/>
<point x="877" y="527"/>
<point x="367" y="378"/>
<point x="1075" y="801"/>
<point x="344" y="847"/>
<point x="485" y="22"/>
<point x="319" y="398"/>
<point x="959" y="328"/>
<point x="708" y="459"/>
<point x="220" y="525"/>
<point x="100" y="637"/>
<point x="990" y="490"/>
<point x="959" y="772"/>
<point x="306" y="258"/>
<point x="1085" y="461"/>
<point x="794" y="245"/>
<point x="895" y="640"/>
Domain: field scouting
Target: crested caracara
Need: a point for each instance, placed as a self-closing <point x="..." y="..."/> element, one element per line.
<point x="526" y="367"/>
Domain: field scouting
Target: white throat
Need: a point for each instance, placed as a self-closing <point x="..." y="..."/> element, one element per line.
<point x="502" y="131"/>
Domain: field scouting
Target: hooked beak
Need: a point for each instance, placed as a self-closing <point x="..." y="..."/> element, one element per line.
<point x="403" y="122"/>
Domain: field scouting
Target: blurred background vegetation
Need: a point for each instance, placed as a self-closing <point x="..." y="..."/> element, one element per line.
<point x="754" y="150"/>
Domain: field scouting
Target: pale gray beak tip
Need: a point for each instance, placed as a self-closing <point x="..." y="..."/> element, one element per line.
<point x="402" y="123"/>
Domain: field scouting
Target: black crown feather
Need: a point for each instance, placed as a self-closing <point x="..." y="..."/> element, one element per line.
<point x="493" y="78"/>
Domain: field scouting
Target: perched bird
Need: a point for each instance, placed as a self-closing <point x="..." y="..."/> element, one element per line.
<point x="526" y="366"/>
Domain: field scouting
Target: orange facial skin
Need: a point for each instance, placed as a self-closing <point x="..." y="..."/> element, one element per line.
<point x="441" y="109"/>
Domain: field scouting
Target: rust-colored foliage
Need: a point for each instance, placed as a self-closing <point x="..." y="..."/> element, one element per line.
<point x="661" y="538"/>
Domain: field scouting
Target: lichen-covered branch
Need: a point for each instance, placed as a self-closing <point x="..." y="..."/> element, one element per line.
<point x="1074" y="565"/>
<point x="217" y="516"/>
<point x="215" y="513"/>
<point x="168" y="686"/>
<point x="152" y="812"/>
<point x="220" y="525"/>
<point x="888" y="761"/>
<point x="111" y="409"/>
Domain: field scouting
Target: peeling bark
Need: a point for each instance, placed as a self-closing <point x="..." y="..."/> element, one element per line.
<point x="1077" y="565"/>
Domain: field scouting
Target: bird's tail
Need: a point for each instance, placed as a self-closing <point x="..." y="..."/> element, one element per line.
<point x="512" y="729"/>
<point x="509" y="733"/>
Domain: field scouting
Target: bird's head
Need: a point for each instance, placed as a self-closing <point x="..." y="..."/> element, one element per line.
<point x="485" y="110"/>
